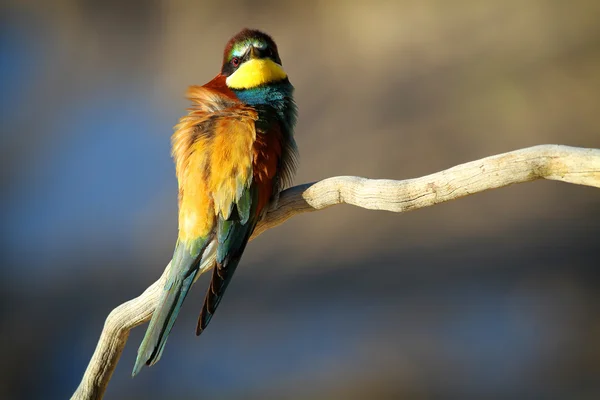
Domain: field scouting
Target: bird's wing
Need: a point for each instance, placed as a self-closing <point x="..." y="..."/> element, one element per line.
<point x="222" y="158"/>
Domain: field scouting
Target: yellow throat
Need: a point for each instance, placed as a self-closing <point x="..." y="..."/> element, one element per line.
<point x="255" y="72"/>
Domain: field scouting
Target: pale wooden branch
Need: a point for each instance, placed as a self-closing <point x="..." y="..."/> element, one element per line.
<point x="562" y="163"/>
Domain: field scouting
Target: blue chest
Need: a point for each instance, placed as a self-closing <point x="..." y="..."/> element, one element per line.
<point x="274" y="103"/>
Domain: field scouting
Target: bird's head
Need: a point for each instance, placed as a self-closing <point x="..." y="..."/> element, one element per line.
<point x="251" y="60"/>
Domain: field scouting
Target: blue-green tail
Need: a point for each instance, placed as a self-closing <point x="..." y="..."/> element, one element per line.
<point x="184" y="268"/>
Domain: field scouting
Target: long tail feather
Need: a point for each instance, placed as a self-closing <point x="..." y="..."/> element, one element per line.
<point x="221" y="277"/>
<point x="184" y="269"/>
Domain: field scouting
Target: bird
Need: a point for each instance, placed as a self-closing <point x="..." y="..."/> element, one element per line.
<point x="234" y="152"/>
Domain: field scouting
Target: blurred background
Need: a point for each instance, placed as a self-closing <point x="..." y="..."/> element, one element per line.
<point x="492" y="296"/>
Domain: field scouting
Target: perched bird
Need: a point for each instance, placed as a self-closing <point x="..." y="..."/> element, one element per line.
<point x="234" y="152"/>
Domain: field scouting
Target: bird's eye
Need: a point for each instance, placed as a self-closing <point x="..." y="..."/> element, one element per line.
<point x="235" y="61"/>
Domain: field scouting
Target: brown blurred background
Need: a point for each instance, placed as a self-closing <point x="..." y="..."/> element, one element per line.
<point x="493" y="296"/>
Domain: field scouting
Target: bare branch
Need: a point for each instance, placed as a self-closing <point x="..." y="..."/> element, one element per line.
<point x="562" y="163"/>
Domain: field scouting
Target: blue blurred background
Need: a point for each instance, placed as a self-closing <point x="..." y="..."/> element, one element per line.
<point x="493" y="296"/>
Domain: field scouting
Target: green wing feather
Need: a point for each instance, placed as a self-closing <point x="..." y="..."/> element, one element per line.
<point x="232" y="236"/>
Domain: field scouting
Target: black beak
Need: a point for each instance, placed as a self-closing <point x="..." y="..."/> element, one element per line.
<point x="253" y="52"/>
<point x="258" y="53"/>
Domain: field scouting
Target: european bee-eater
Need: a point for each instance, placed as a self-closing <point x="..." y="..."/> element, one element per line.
<point x="234" y="152"/>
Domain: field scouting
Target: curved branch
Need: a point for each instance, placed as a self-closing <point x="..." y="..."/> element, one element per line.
<point x="562" y="163"/>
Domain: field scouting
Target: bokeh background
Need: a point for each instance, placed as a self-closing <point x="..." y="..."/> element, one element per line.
<point x="492" y="296"/>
